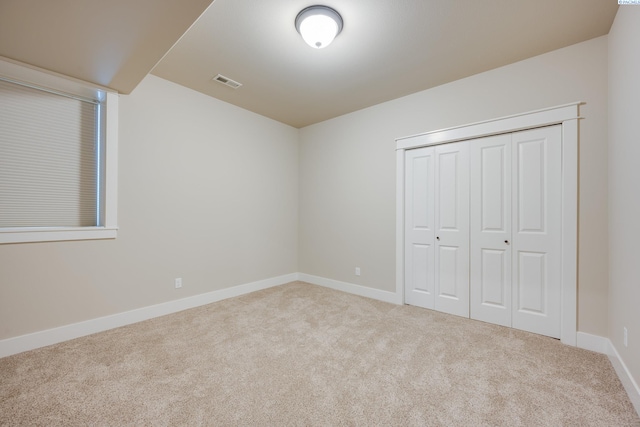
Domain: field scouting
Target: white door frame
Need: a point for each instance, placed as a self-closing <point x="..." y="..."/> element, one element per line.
<point x="565" y="115"/>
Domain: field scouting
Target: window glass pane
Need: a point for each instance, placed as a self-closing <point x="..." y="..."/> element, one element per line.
<point x="48" y="159"/>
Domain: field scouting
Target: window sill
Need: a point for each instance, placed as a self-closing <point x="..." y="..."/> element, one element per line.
<point x="55" y="234"/>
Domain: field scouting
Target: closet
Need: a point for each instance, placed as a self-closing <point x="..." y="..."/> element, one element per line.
<point x="483" y="228"/>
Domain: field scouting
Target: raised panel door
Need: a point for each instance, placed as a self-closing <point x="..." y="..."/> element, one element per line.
<point x="537" y="230"/>
<point x="490" y="229"/>
<point x="419" y="227"/>
<point x="452" y="228"/>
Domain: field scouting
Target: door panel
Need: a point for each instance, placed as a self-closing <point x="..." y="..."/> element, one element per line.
<point x="490" y="229"/>
<point x="493" y="186"/>
<point x="537" y="231"/>
<point x="448" y="268"/>
<point x="532" y="282"/>
<point x="493" y="282"/>
<point x="421" y="194"/>
<point x="419" y="227"/>
<point x="448" y="184"/>
<point x="531" y="186"/>
<point x="421" y="257"/>
<point x="452" y="228"/>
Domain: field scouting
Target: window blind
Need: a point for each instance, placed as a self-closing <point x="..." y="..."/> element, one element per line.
<point x="49" y="156"/>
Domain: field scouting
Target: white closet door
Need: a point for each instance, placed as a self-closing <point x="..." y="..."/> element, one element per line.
<point x="537" y="230"/>
<point x="419" y="227"/>
<point x="452" y="228"/>
<point x="490" y="229"/>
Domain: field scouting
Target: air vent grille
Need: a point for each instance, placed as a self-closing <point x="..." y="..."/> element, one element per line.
<point x="227" y="81"/>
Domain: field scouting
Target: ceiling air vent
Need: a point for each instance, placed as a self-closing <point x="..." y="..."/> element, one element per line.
<point x="227" y="81"/>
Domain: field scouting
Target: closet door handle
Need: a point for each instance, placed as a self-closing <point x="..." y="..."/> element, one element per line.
<point x="437" y="237"/>
<point x="506" y="241"/>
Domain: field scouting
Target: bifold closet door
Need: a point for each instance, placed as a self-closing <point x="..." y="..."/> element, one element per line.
<point x="452" y="228"/>
<point x="515" y="236"/>
<point x="419" y="227"/>
<point x="483" y="236"/>
<point x="490" y="229"/>
<point x="537" y="230"/>
<point x="437" y="228"/>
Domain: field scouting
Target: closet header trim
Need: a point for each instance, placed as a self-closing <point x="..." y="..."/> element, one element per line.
<point x="517" y="122"/>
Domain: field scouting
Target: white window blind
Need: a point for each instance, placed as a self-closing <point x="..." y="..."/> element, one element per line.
<point x="49" y="159"/>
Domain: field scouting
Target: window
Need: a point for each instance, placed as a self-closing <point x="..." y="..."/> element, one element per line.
<point x="58" y="142"/>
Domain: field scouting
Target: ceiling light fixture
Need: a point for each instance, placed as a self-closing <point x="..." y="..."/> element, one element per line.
<point x="318" y="25"/>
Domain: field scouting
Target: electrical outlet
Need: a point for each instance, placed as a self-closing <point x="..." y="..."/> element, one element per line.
<point x="178" y="282"/>
<point x="357" y="271"/>
<point x="625" y="336"/>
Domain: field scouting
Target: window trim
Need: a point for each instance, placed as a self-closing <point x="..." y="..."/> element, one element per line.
<point x="109" y="100"/>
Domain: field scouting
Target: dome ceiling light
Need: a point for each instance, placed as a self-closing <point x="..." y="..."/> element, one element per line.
<point x="318" y="25"/>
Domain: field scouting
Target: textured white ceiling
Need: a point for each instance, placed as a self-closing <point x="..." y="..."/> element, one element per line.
<point x="387" y="49"/>
<point x="113" y="43"/>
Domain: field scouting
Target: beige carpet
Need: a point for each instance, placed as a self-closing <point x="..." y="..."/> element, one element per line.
<point x="300" y="354"/>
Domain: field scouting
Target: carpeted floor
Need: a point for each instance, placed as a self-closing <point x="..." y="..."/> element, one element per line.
<point x="300" y="354"/>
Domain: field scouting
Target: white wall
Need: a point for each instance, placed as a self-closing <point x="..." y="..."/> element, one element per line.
<point x="207" y="192"/>
<point x="624" y="181"/>
<point x="347" y="167"/>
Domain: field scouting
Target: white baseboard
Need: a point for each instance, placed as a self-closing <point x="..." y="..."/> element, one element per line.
<point x="605" y="346"/>
<point x="592" y="342"/>
<point x="76" y="330"/>
<point x="627" y="380"/>
<point x="351" y="288"/>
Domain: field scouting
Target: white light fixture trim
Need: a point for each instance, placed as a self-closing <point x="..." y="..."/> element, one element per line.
<point x="318" y="25"/>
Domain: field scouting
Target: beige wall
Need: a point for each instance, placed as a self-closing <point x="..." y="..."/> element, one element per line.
<point x="624" y="179"/>
<point x="207" y="192"/>
<point x="347" y="167"/>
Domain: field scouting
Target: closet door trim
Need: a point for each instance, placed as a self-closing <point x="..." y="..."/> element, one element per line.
<point x="566" y="115"/>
